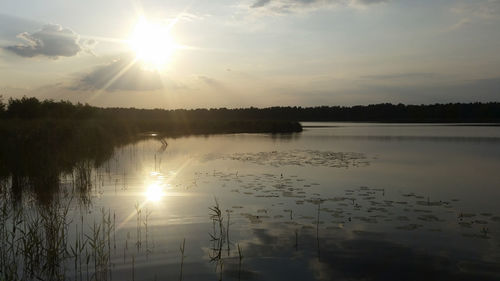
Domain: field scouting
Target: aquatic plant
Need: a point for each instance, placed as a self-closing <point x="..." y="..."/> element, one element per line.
<point x="182" y="249"/>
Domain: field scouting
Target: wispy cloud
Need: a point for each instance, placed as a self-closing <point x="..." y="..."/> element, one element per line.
<point x="260" y="3"/>
<point x="210" y="81"/>
<point x="476" y="11"/>
<point x="289" y="6"/>
<point x="399" y="76"/>
<point x="53" y="41"/>
<point x="481" y="90"/>
<point x="486" y="9"/>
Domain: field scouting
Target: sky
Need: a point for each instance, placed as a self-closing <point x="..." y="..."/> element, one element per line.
<point x="240" y="53"/>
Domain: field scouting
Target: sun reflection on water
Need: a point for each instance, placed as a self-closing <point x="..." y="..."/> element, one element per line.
<point x="156" y="187"/>
<point x="154" y="193"/>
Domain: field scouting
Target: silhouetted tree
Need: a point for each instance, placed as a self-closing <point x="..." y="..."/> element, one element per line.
<point x="31" y="108"/>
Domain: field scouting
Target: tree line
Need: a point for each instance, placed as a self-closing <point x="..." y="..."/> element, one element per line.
<point x="32" y="108"/>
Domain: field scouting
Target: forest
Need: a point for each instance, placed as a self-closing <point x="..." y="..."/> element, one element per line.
<point x="121" y="122"/>
<point x="32" y="108"/>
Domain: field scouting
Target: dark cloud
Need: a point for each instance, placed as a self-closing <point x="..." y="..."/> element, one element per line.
<point x="52" y="41"/>
<point x="260" y="3"/>
<point x="121" y="74"/>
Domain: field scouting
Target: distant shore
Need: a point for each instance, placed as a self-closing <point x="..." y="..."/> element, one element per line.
<point x="317" y="124"/>
<point x="251" y="120"/>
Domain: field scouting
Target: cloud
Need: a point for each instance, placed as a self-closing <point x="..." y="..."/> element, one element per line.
<point x="461" y="23"/>
<point x="476" y="11"/>
<point x="409" y="75"/>
<point x="260" y="3"/>
<point x="121" y="74"/>
<point x="406" y="88"/>
<point x="369" y="2"/>
<point x="485" y="9"/>
<point x="355" y="255"/>
<point x="51" y="41"/>
<point x="12" y="26"/>
<point x="482" y="90"/>
<point x="189" y="17"/>
<point x="287" y="6"/>
<point x="210" y="81"/>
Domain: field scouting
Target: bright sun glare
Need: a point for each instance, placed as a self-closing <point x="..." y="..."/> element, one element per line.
<point x="154" y="192"/>
<point x="155" y="187"/>
<point x="152" y="43"/>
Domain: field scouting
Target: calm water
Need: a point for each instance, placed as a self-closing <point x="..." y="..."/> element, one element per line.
<point x="339" y="201"/>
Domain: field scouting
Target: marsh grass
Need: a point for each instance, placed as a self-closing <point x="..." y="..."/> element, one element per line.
<point x="182" y="249"/>
<point x="138" y="211"/>
<point x="218" y="237"/>
<point x="146" y="218"/>
<point x="34" y="243"/>
<point x="240" y="259"/>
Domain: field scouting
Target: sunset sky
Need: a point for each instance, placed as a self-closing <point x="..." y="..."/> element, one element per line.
<point x="221" y="53"/>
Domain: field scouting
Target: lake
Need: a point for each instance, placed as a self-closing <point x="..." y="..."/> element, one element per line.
<point x="339" y="201"/>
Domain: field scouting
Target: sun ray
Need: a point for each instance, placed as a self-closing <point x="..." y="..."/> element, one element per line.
<point x="113" y="79"/>
<point x="151" y="41"/>
<point x="104" y="39"/>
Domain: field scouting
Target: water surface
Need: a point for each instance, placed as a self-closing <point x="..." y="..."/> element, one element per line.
<point x="339" y="201"/>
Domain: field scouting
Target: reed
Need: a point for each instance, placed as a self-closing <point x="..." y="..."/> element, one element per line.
<point x="146" y="218"/>
<point x="240" y="258"/>
<point x="182" y="249"/>
<point x="138" y="210"/>
<point x="34" y="242"/>
<point x="217" y="237"/>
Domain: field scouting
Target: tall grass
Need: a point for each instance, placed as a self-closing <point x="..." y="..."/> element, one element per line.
<point x="220" y="237"/>
<point x="34" y="243"/>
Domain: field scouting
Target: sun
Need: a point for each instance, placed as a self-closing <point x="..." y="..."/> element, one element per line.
<point x="152" y="43"/>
